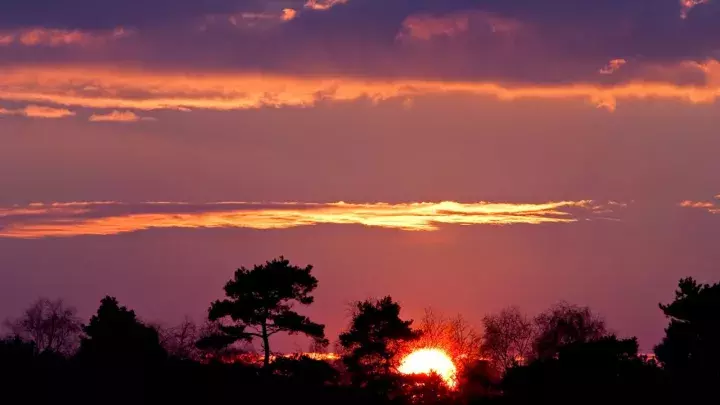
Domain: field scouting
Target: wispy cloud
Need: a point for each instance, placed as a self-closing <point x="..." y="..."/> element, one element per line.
<point x="248" y="20"/>
<point x="612" y="66"/>
<point x="59" y="37"/>
<point x="38" y="111"/>
<point x="119" y="116"/>
<point x="712" y="207"/>
<point x="323" y="4"/>
<point x="687" y="5"/>
<point x="138" y="90"/>
<point x="425" y="27"/>
<point x="109" y="218"/>
<point x="428" y="26"/>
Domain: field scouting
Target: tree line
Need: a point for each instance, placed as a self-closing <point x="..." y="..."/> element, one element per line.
<point x="564" y="354"/>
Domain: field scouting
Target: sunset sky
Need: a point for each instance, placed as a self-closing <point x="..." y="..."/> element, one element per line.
<point x="465" y="155"/>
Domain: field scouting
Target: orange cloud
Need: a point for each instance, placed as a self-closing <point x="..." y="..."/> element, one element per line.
<point x="612" y="66"/>
<point x="426" y="26"/>
<point x="37" y="111"/>
<point x="139" y="90"/>
<point x="119" y="116"/>
<point x="687" y="5"/>
<point x="74" y="219"/>
<point x="59" y="37"/>
<point x="288" y="14"/>
<point x="323" y="4"/>
<point x="709" y="206"/>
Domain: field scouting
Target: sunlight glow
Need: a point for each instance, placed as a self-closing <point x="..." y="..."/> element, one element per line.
<point x="425" y="361"/>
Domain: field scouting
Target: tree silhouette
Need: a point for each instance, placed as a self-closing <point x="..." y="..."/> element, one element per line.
<point x="508" y="338"/>
<point x="597" y="371"/>
<point x="454" y="335"/>
<point x="16" y="353"/>
<point x="50" y="325"/>
<point x="690" y="350"/>
<point x="180" y="341"/>
<point x="373" y="341"/>
<point x="426" y="389"/>
<point x="564" y="324"/>
<point x="260" y="304"/>
<point x="114" y="336"/>
<point x="305" y="370"/>
<point x="477" y="380"/>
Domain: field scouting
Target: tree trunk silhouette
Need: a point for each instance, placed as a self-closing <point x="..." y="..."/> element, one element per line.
<point x="266" y="345"/>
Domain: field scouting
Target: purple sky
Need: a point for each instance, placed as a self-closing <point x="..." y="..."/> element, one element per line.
<point x="576" y="142"/>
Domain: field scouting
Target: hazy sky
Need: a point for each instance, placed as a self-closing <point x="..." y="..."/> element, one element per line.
<point x="461" y="154"/>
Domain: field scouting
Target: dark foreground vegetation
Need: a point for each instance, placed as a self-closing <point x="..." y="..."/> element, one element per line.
<point x="563" y="355"/>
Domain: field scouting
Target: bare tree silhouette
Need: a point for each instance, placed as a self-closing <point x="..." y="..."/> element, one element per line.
<point x="50" y="325"/>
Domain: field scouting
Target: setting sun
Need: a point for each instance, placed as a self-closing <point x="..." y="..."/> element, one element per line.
<point x="425" y="361"/>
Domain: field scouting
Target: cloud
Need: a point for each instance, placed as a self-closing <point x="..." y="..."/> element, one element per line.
<point x="687" y="5"/>
<point x="37" y="111"/>
<point x="59" y="37"/>
<point x="288" y="14"/>
<point x="140" y="90"/>
<point x="118" y="116"/>
<point x="248" y="19"/>
<point x="428" y="26"/>
<point x="110" y="218"/>
<point x="323" y="4"/>
<point x="712" y="207"/>
<point x="612" y="66"/>
<point x="525" y="41"/>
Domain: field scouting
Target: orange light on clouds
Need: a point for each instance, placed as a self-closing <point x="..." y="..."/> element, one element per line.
<point x="687" y="5"/>
<point x="288" y="14"/>
<point x="428" y="26"/>
<point x="712" y="207"/>
<point x="119" y="116"/>
<point x="60" y="219"/>
<point x="323" y="4"/>
<point x="612" y="66"/>
<point x="429" y="360"/>
<point x="138" y="90"/>
<point x="37" y="111"/>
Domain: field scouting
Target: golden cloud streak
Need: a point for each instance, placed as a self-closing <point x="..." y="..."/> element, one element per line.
<point x="37" y="111"/>
<point x="323" y="4"/>
<point x="119" y="116"/>
<point x="712" y="207"/>
<point x="109" y="218"/>
<point x="125" y="89"/>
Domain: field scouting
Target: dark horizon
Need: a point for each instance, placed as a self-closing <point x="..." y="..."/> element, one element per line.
<point x="460" y="155"/>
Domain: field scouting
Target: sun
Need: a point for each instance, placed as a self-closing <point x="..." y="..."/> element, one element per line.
<point x="425" y="361"/>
